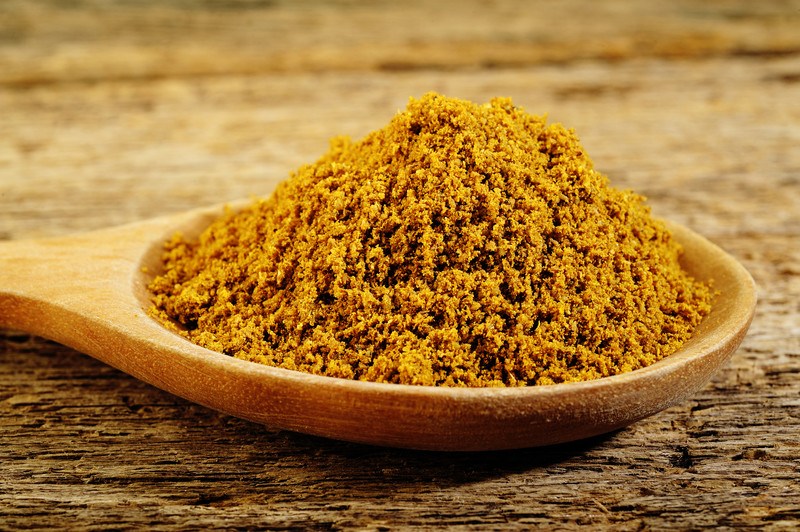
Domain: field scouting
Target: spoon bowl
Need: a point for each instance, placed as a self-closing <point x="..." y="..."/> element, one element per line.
<point x="90" y="292"/>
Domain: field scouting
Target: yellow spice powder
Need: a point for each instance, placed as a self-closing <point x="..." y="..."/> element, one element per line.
<point x="460" y="245"/>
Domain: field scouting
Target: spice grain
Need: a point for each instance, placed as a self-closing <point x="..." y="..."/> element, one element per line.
<point x="460" y="245"/>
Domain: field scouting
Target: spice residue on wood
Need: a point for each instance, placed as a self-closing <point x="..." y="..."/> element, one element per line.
<point x="460" y="245"/>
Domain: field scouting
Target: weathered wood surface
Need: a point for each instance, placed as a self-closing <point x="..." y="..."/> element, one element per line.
<point x="116" y="111"/>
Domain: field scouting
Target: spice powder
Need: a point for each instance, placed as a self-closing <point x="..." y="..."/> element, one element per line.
<point x="460" y="245"/>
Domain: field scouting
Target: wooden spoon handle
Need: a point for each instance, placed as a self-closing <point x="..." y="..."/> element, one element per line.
<point x="48" y="284"/>
<point x="41" y="279"/>
<point x="88" y="292"/>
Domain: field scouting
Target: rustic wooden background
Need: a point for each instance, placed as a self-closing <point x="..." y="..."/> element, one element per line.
<point x="114" y="110"/>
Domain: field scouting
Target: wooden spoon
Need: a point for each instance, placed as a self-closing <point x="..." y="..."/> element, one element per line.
<point x="89" y="292"/>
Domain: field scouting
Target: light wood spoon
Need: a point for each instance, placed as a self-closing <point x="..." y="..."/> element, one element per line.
<point x="89" y="292"/>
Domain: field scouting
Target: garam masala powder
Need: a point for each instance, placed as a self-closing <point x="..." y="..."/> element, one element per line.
<point x="460" y="245"/>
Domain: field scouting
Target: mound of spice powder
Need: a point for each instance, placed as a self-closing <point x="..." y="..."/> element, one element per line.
<point x="460" y="245"/>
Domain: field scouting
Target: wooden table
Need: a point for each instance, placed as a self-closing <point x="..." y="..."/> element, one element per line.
<point x="112" y="112"/>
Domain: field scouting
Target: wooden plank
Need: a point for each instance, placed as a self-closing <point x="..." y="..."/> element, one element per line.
<point x="710" y="137"/>
<point x="83" y="40"/>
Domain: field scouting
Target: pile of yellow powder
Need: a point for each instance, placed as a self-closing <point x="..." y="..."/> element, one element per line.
<point x="460" y="245"/>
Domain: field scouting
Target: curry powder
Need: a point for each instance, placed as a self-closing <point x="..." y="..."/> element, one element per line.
<point x="460" y="245"/>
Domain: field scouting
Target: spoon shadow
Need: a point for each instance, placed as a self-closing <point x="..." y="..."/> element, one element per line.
<point x="415" y="467"/>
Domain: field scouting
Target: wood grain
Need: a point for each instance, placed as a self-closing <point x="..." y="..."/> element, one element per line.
<point x="118" y="111"/>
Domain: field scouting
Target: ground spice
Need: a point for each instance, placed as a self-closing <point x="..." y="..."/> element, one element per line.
<point x="461" y="245"/>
